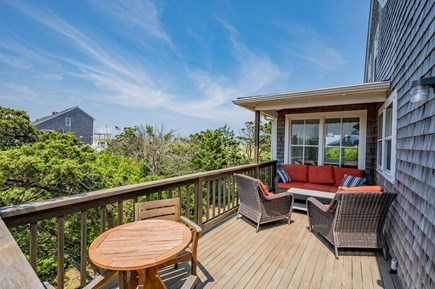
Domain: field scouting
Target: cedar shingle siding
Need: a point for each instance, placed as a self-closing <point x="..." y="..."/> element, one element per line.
<point x="405" y="53"/>
<point x="82" y="125"/>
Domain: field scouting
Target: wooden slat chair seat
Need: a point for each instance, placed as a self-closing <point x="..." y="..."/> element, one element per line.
<point x="169" y="209"/>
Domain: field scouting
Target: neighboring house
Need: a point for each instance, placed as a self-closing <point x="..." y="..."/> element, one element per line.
<point x="73" y="119"/>
<point x="376" y="127"/>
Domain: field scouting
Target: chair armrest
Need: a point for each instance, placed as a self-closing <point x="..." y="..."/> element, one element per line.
<point x="278" y="196"/>
<point x="317" y="204"/>
<point x="191" y="224"/>
<point x="190" y="282"/>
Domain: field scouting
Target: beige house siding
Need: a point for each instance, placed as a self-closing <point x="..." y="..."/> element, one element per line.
<point x="406" y="52"/>
<point x="371" y="131"/>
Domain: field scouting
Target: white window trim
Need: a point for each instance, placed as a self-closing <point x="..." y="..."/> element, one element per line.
<point x="274" y="138"/>
<point x="390" y="175"/>
<point x="68" y="121"/>
<point x="362" y="114"/>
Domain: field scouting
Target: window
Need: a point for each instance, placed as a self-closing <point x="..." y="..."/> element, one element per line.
<point x="305" y="141"/>
<point x="336" y="138"/>
<point x="386" y="140"/>
<point x="67" y="121"/>
<point x="341" y="142"/>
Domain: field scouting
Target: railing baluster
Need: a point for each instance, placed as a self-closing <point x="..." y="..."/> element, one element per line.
<point x="179" y="193"/>
<point x="103" y="210"/>
<point x="135" y="200"/>
<point x="60" y="252"/>
<point x="224" y="203"/>
<point x="188" y="201"/>
<point x="198" y="203"/>
<point x="83" y="247"/>
<point x="207" y="216"/>
<point x="120" y="212"/>
<point x="159" y="195"/>
<point x="170" y="193"/>
<point x="219" y="196"/>
<point x="227" y="184"/>
<point x="214" y="199"/>
<point x="33" y="244"/>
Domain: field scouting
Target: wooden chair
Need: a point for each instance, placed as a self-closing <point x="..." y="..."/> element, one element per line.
<point x="169" y="209"/>
<point x="352" y="220"/>
<point x="258" y="207"/>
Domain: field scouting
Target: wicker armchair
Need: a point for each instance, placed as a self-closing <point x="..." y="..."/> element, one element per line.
<point x="258" y="207"/>
<point x="353" y="220"/>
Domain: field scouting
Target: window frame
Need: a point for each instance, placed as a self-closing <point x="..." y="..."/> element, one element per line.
<point x="68" y="121"/>
<point x="381" y="168"/>
<point x="361" y="114"/>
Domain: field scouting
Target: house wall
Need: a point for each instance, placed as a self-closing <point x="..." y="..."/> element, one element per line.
<point x="406" y="52"/>
<point x="82" y="125"/>
<point x="371" y="109"/>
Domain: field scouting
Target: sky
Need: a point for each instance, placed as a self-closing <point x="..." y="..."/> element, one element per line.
<point x="176" y="63"/>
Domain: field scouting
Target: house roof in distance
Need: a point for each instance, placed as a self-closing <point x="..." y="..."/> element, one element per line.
<point x="56" y="114"/>
<point x="270" y="104"/>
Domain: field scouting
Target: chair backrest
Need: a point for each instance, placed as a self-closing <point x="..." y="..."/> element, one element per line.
<point x="168" y="209"/>
<point x="247" y="188"/>
<point x="362" y="211"/>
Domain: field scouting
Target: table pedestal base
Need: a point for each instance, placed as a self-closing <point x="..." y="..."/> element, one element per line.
<point x="141" y="279"/>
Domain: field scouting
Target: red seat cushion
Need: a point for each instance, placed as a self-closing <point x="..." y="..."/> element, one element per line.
<point x="321" y="175"/>
<point x="340" y="172"/>
<point x="287" y="186"/>
<point x="318" y="187"/>
<point x="297" y="173"/>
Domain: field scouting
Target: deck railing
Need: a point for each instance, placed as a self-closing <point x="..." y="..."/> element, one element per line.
<point x="206" y="198"/>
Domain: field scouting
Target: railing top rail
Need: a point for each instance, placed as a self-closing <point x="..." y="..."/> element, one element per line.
<point x="79" y="200"/>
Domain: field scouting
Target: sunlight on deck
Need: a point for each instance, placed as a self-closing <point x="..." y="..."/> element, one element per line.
<point x="232" y="255"/>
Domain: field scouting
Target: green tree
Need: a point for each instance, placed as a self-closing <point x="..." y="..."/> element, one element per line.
<point x="216" y="149"/>
<point x="246" y="138"/>
<point x="15" y="128"/>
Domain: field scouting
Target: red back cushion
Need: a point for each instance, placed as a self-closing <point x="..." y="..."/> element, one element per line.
<point x="263" y="188"/>
<point x="340" y="172"/>
<point x="321" y="175"/>
<point x="297" y="173"/>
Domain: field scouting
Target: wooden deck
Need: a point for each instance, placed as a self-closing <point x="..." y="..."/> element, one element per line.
<point x="232" y="255"/>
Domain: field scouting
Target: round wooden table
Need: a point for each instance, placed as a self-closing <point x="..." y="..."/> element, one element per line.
<point x="139" y="247"/>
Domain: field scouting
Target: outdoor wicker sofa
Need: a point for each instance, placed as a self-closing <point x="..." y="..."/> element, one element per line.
<point x="352" y="220"/>
<point x="258" y="207"/>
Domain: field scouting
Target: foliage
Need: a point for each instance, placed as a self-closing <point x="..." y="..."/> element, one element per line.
<point x="216" y="149"/>
<point x="39" y="165"/>
<point x="247" y="135"/>
<point x="15" y="128"/>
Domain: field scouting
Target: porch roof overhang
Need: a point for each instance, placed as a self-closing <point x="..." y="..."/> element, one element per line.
<point x="270" y="104"/>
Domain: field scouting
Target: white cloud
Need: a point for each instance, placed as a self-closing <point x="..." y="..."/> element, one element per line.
<point x="142" y="14"/>
<point x="312" y="48"/>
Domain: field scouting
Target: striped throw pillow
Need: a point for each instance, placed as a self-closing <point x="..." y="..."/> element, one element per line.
<point x="284" y="176"/>
<point x="352" y="181"/>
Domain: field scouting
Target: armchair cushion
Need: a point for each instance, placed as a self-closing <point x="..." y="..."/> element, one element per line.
<point x="352" y="181"/>
<point x="371" y="189"/>
<point x="285" y="178"/>
<point x="263" y="188"/>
